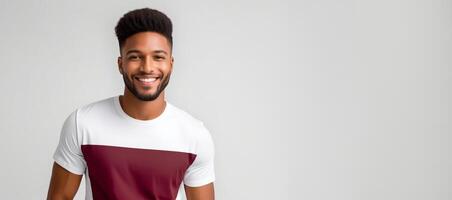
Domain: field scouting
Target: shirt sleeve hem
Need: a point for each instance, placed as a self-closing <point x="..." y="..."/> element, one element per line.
<point x="200" y="182"/>
<point x="68" y="167"/>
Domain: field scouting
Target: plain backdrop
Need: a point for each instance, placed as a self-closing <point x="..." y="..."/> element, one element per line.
<point x="309" y="99"/>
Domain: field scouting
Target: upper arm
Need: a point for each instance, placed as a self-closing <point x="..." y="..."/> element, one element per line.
<point x="68" y="153"/>
<point x="63" y="184"/>
<point x="205" y="192"/>
<point x="199" y="177"/>
<point x="201" y="171"/>
<point x="69" y="164"/>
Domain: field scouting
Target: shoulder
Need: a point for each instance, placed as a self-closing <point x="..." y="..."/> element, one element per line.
<point x="97" y="106"/>
<point x="190" y="123"/>
<point x="199" y="134"/>
<point x="181" y="115"/>
<point x="93" y="111"/>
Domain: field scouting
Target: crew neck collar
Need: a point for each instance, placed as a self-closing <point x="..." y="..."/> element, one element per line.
<point x="124" y="115"/>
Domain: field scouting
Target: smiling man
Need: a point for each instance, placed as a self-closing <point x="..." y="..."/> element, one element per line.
<point x="136" y="145"/>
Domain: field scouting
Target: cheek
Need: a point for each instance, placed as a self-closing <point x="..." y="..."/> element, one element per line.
<point x="167" y="67"/>
<point x="130" y="68"/>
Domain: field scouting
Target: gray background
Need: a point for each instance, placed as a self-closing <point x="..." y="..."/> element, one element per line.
<point x="318" y="100"/>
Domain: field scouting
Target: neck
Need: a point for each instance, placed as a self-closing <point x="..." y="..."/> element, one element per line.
<point x="142" y="110"/>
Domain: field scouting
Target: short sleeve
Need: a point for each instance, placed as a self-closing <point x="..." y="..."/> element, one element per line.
<point x="68" y="153"/>
<point x="201" y="171"/>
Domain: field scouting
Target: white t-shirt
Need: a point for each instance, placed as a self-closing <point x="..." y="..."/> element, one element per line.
<point x="126" y="158"/>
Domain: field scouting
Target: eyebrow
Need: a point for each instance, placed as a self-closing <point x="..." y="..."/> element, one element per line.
<point x="138" y="51"/>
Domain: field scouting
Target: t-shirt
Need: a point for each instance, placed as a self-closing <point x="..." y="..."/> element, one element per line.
<point x="126" y="158"/>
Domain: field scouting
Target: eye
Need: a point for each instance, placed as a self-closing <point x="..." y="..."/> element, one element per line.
<point x="133" y="57"/>
<point x="159" y="57"/>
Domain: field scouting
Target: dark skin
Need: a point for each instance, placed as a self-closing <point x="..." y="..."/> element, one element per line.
<point x="145" y="54"/>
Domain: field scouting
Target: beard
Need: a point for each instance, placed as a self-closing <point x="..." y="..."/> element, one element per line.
<point x="146" y="97"/>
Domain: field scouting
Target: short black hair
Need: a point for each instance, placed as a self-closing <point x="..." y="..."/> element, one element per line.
<point x="143" y="20"/>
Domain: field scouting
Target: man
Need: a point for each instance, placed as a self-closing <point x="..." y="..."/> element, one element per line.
<point x="136" y="145"/>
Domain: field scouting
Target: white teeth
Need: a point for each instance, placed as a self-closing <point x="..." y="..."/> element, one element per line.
<point x="147" y="79"/>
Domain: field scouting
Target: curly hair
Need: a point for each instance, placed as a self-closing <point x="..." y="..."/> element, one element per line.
<point x="143" y="20"/>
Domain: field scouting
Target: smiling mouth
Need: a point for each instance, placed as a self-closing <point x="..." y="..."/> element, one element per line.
<point x="146" y="80"/>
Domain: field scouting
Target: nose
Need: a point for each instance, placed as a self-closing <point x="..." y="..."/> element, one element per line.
<point x="147" y="65"/>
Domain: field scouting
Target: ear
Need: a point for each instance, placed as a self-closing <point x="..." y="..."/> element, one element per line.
<point x="119" y="61"/>
<point x="171" y="63"/>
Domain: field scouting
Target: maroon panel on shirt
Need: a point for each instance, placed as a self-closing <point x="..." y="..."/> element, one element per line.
<point x="131" y="173"/>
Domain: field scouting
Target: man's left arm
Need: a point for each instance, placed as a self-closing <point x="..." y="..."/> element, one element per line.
<point x="200" y="176"/>
<point x="205" y="192"/>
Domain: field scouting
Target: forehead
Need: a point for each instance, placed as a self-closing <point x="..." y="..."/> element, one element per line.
<point x="146" y="42"/>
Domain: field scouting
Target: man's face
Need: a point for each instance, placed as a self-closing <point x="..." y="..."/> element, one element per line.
<point x="146" y="63"/>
